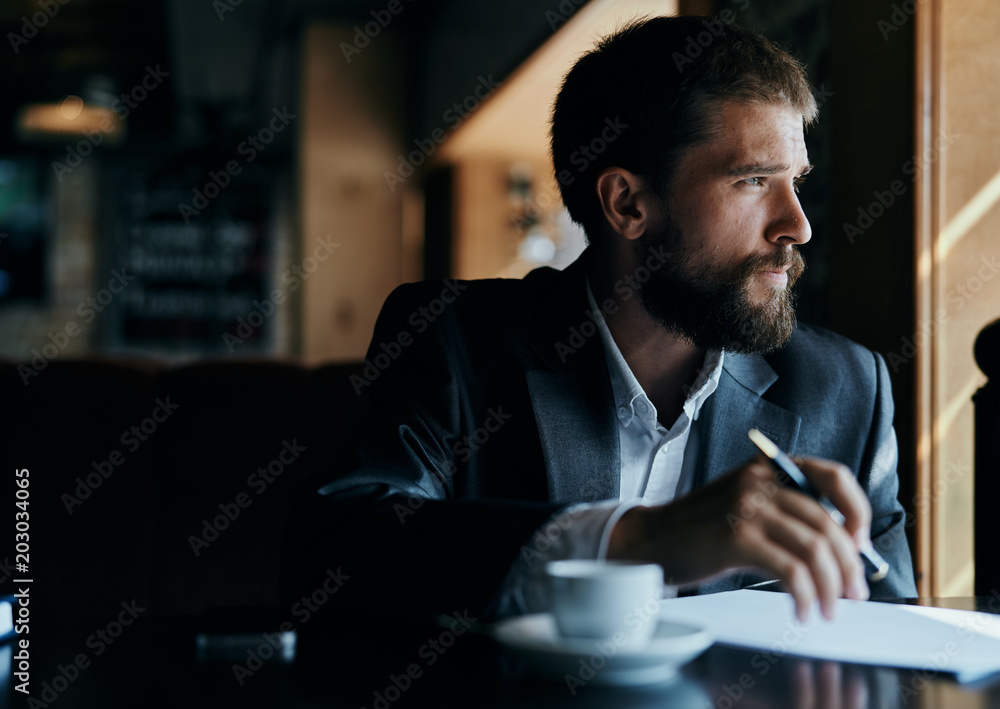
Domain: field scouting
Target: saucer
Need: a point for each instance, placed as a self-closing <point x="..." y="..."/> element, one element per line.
<point x="600" y="662"/>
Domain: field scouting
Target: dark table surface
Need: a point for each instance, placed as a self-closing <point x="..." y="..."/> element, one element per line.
<point x="363" y="662"/>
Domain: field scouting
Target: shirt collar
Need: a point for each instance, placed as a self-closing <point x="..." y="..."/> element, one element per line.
<point x="631" y="402"/>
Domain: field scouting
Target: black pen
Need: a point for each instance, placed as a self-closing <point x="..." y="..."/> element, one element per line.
<point x="877" y="567"/>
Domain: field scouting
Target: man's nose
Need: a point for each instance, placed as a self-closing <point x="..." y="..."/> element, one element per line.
<point x="790" y="225"/>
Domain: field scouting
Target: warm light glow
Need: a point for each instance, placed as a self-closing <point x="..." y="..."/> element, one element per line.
<point x="70" y="118"/>
<point x="71" y="107"/>
<point x="956" y="404"/>
<point x="513" y="122"/>
<point x="970" y="214"/>
<point x="961" y="582"/>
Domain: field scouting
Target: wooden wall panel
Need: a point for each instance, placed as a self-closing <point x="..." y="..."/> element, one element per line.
<point x="348" y="142"/>
<point x="960" y="212"/>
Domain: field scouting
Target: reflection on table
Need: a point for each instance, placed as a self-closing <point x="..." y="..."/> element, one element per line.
<point x="379" y="663"/>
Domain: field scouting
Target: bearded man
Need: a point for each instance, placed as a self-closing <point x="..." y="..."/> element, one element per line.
<point x="602" y="411"/>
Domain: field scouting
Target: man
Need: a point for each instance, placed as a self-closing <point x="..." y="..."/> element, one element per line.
<point x="603" y="411"/>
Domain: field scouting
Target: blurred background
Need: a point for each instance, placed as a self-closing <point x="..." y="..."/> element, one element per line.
<point x="219" y="157"/>
<point x="202" y="179"/>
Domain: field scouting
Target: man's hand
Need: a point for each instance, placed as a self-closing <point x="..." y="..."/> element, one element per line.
<point x="748" y="519"/>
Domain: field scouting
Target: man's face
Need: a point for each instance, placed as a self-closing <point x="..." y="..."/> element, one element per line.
<point x="731" y="222"/>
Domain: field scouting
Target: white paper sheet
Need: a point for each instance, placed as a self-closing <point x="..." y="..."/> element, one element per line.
<point x="963" y="643"/>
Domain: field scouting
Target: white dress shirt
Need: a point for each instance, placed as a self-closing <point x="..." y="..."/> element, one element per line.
<point x="657" y="465"/>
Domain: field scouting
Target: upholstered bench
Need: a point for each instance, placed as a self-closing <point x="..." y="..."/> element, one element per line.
<point x="163" y="485"/>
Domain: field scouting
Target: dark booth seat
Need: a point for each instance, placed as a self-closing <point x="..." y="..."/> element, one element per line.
<point x="91" y="496"/>
<point x="182" y="522"/>
<point x="228" y="455"/>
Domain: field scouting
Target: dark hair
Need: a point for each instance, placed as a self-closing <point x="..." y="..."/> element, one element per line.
<point x="647" y="92"/>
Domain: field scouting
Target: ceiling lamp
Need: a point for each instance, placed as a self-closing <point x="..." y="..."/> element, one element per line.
<point x="70" y="118"/>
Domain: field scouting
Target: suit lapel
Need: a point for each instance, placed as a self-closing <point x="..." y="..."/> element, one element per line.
<point x="571" y="395"/>
<point x="735" y="408"/>
<point x="579" y="435"/>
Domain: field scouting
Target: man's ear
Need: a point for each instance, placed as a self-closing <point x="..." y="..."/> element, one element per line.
<point x="625" y="201"/>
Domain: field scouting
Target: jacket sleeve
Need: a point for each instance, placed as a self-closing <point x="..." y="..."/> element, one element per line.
<point x="878" y="477"/>
<point x="389" y="518"/>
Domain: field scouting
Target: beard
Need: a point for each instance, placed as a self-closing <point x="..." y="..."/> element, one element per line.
<point x="712" y="305"/>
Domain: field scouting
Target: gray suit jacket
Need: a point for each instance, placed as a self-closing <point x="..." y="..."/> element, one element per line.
<point x="491" y="408"/>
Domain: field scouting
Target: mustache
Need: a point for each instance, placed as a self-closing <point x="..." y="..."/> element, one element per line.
<point x="774" y="261"/>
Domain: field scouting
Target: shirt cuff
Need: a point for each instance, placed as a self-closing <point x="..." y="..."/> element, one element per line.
<point x="580" y="531"/>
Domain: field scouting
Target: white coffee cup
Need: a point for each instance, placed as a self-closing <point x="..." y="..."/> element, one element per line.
<point x="606" y="600"/>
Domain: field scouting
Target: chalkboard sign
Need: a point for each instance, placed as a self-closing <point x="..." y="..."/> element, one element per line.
<point x="189" y="269"/>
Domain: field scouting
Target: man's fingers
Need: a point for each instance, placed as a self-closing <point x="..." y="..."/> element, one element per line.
<point x="844" y="549"/>
<point x="748" y="519"/>
<point x="816" y="551"/>
<point x="793" y="573"/>
<point x="836" y="482"/>
<point x="802" y="530"/>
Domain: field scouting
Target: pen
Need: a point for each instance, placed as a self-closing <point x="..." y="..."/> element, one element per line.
<point x="877" y="567"/>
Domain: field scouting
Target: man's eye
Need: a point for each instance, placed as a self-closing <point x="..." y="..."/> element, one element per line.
<point x="799" y="181"/>
<point x="755" y="181"/>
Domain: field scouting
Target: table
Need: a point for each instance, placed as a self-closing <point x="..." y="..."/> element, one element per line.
<point x="381" y="664"/>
